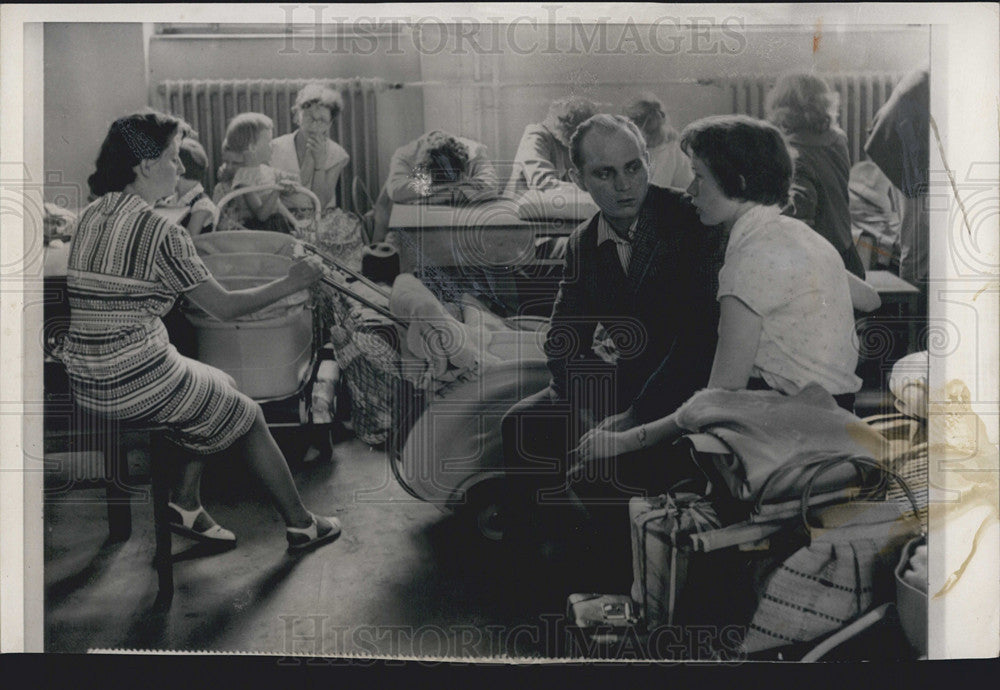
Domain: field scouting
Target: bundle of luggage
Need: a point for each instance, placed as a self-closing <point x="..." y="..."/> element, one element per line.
<point x="773" y="552"/>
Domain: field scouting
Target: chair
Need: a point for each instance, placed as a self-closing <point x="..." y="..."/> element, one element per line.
<point x="361" y="200"/>
<point x="82" y="431"/>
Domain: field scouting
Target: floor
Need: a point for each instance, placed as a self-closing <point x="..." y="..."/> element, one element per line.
<point x="404" y="579"/>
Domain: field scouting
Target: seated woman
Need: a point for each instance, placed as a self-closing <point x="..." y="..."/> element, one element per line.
<point x="668" y="165"/>
<point x="805" y="109"/>
<point x="542" y="160"/>
<point x="127" y="266"/>
<point x="439" y="168"/>
<point x="309" y="152"/>
<point x="786" y="319"/>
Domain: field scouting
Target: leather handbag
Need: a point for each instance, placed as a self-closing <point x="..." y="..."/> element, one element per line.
<point x="844" y="570"/>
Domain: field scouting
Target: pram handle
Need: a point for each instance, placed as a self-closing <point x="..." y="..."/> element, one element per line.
<point x="365" y="301"/>
<point x="336" y="265"/>
<point x="240" y="191"/>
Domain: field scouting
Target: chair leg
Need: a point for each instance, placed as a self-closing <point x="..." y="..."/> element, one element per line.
<point x="163" y="559"/>
<point x="117" y="497"/>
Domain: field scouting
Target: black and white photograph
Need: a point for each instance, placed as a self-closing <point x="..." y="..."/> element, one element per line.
<point x="476" y="332"/>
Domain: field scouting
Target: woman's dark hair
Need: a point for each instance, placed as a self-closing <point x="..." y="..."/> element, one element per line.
<point x="131" y="140"/>
<point x="749" y="158"/>
<point x="443" y="156"/>
<point x="801" y="102"/>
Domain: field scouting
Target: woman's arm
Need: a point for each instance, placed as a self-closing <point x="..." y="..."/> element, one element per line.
<point x="262" y="205"/>
<point x="398" y="183"/>
<point x="226" y="305"/>
<point x="739" y="336"/>
<point x="534" y="157"/>
<point x="480" y="182"/>
<point x="321" y="181"/>
<point x="197" y="222"/>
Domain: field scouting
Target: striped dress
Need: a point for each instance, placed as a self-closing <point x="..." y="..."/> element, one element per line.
<point x="127" y="265"/>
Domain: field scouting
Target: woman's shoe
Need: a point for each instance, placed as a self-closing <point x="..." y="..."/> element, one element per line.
<point x="321" y="531"/>
<point x="197" y="524"/>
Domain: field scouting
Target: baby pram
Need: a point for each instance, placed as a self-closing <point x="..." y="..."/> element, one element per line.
<point x="275" y="353"/>
<point x="441" y="436"/>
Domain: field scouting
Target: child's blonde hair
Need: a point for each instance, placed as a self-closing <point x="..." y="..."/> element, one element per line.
<point x="243" y="131"/>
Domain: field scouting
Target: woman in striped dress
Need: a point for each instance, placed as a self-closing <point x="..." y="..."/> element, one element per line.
<point x="127" y="266"/>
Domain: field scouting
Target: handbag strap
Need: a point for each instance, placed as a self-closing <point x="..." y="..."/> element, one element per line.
<point x="813" y="465"/>
<point x="857" y="460"/>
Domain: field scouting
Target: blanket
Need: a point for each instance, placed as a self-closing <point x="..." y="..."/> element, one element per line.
<point x="767" y="430"/>
<point x="438" y="348"/>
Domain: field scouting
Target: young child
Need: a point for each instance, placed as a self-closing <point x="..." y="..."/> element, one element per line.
<point x="190" y="191"/>
<point x="247" y="152"/>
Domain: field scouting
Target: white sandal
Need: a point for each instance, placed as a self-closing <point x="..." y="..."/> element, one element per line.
<point x="321" y="531"/>
<point x="198" y="524"/>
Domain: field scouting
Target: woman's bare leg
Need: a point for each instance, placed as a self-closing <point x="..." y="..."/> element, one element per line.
<point x="267" y="463"/>
<point x="186" y="491"/>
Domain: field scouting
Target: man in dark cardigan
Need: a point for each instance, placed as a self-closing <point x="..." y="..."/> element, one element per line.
<point x="646" y="270"/>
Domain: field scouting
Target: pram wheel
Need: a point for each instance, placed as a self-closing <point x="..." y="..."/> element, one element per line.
<point x="481" y="509"/>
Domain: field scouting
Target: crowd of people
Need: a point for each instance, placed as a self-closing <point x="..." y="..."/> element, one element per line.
<point x="719" y="258"/>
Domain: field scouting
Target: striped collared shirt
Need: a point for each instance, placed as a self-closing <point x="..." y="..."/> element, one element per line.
<point x="606" y="233"/>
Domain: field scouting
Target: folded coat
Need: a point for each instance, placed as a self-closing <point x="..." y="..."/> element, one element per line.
<point x="767" y="430"/>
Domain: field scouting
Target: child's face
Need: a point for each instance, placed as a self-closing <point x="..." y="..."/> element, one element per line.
<point x="260" y="151"/>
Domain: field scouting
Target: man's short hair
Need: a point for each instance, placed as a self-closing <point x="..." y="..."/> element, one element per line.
<point x="749" y="158"/>
<point x="607" y="124"/>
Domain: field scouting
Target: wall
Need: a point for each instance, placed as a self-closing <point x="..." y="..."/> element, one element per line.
<point x="493" y="96"/>
<point x="277" y="57"/>
<point x="94" y="73"/>
<point x="486" y="82"/>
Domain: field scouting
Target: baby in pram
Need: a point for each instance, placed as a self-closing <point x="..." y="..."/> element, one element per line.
<point x="246" y="153"/>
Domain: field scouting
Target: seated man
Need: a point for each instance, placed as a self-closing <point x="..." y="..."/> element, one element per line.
<point x="646" y="270"/>
<point x="439" y="168"/>
<point x="543" y="160"/>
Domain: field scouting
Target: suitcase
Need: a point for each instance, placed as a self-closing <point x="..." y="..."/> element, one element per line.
<point x="604" y="626"/>
<point x="681" y="546"/>
<point x="658" y="563"/>
<point x="696" y="581"/>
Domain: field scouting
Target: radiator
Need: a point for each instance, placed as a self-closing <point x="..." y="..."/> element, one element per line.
<point x="209" y="104"/>
<point x="861" y="95"/>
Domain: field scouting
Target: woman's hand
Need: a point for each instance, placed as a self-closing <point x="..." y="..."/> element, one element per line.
<point x="305" y="272"/>
<point x="618" y="422"/>
<point x="315" y="146"/>
<point x="599" y="443"/>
